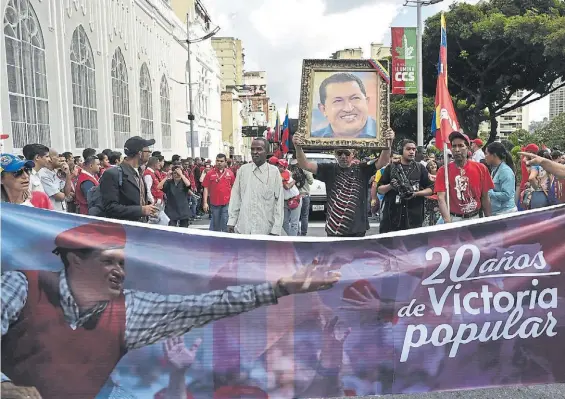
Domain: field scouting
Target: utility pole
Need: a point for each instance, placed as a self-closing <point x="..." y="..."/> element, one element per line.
<point x="419" y="60"/>
<point x="188" y="65"/>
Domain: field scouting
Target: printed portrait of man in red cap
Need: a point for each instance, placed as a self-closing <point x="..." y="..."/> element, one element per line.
<point x="64" y="332"/>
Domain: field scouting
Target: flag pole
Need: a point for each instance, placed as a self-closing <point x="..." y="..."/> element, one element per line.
<point x="446" y="175"/>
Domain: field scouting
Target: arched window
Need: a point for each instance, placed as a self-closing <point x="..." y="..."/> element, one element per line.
<point x="165" y="114"/>
<point x="84" y="91"/>
<point x="27" y="77"/>
<point x="146" y="101"/>
<point x="120" y="99"/>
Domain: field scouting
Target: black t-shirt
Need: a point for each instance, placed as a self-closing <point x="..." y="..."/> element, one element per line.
<point x="177" y="207"/>
<point x="407" y="213"/>
<point x="347" y="192"/>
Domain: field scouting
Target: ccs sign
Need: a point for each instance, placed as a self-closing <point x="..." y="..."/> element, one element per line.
<point x="405" y="76"/>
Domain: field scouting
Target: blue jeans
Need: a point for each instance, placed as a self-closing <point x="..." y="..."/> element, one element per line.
<point x="539" y="200"/>
<point x="291" y="219"/>
<point x="304" y="215"/>
<point x="193" y="203"/>
<point x="220" y="216"/>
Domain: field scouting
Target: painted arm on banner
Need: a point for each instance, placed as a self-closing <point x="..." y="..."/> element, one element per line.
<point x="235" y="204"/>
<point x="152" y="317"/>
<point x="14" y="296"/>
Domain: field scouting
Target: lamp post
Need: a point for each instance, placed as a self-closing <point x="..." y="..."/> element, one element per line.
<point x="188" y="65"/>
<point x="419" y="60"/>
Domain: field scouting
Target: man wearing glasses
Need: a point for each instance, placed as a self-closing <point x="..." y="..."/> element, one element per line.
<point x="124" y="195"/>
<point x="347" y="185"/>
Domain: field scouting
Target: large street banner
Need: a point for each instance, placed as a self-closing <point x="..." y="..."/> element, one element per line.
<point x="93" y="308"/>
<point x="404" y="61"/>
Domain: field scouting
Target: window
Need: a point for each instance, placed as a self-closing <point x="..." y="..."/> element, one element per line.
<point x="84" y="91"/>
<point x="165" y="114"/>
<point x="146" y="101"/>
<point x="120" y="99"/>
<point x="27" y="77"/>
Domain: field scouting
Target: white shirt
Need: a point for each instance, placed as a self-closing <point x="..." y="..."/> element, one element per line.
<point x="35" y="182"/>
<point x="257" y="200"/>
<point x="52" y="185"/>
<point x="149" y="184"/>
<point x="479" y="155"/>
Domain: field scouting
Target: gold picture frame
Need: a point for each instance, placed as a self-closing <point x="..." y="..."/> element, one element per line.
<point x="376" y="109"/>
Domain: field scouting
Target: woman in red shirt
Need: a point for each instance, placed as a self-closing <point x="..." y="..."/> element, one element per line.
<point x="15" y="183"/>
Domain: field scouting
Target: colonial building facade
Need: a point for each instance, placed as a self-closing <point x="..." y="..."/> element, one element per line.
<point x="84" y="73"/>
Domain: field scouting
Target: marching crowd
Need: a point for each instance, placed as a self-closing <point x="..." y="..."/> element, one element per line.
<point x="270" y="195"/>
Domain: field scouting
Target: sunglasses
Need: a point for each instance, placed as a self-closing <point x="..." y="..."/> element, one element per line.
<point x="20" y="172"/>
<point x="343" y="152"/>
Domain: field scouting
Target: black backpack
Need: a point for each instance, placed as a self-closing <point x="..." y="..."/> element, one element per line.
<point x="94" y="197"/>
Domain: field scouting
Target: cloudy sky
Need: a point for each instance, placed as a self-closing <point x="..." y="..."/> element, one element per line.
<point x="278" y="34"/>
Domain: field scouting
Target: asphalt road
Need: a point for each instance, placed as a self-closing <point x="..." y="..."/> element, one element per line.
<point x="553" y="391"/>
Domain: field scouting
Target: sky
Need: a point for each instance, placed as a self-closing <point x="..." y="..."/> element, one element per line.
<point x="278" y="34"/>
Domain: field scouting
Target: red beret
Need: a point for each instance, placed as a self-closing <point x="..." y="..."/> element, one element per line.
<point x="97" y="235"/>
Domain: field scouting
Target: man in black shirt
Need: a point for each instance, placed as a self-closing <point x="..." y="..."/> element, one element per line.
<point x="404" y="185"/>
<point x="347" y="185"/>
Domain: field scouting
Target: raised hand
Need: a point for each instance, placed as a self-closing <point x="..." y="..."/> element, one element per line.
<point x="178" y="355"/>
<point x="333" y="339"/>
<point x="311" y="278"/>
<point x="366" y="301"/>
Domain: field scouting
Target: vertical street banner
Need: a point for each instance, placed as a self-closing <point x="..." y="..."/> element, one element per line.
<point x="404" y="62"/>
<point x="95" y="308"/>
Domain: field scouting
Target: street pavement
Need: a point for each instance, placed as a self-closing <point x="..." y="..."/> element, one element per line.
<point x="553" y="391"/>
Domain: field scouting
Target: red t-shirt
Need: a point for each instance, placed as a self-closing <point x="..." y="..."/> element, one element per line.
<point x="219" y="186"/>
<point x="466" y="186"/>
<point x="40" y="200"/>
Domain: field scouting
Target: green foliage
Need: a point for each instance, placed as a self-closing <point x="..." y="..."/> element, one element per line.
<point x="404" y="116"/>
<point x="522" y="138"/>
<point x="496" y="48"/>
<point x="553" y="134"/>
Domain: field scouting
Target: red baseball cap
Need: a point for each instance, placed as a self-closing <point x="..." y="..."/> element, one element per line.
<point x="458" y="135"/>
<point x="478" y="142"/>
<point x="273" y="160"/>
<point x="97" y="235"/>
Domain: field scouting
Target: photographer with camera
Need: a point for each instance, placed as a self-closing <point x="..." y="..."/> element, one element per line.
<point x="404" y="185"/>
<point x="176" y="188"/>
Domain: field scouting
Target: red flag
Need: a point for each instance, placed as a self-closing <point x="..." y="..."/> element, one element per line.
<point x="445" y="119"/>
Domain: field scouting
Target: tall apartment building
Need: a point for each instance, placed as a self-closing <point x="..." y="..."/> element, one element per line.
<point x="556" y="103"/>
<point x="513" y="120"/>
<point x="229" y="51"/>
<point x="379" y="51"/>
<point x="348" y="54"/>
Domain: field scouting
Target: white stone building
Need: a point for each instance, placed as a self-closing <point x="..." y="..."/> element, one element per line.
<point x="85" y="73"/>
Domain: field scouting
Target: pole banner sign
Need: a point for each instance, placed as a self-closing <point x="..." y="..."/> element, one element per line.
<point x="93" y="308"/>
<point x="404" y="61"/>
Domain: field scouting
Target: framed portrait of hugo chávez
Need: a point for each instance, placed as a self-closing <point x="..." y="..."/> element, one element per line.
<point x="344" y="104"/>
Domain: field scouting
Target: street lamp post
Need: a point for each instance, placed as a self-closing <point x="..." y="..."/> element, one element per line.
<point x="419" y="60"/>
<point x="188" y="65"/>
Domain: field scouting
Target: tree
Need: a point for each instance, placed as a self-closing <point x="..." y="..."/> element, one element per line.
<point x="521" y="138"/>
<point x="495" y="49"/>
<point x="553" y="134"/>
<point x="404" y="116"/>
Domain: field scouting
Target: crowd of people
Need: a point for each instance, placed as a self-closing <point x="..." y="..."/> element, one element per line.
<point x="271" y="194"/>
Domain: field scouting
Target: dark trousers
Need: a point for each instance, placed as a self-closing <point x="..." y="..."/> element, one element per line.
<point x="304" y="215"/>
<point x="363" y="234"/>
<point x="179" y="223"/>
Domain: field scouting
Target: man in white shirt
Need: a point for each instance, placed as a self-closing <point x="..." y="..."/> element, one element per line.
<point x="57" y="181"/>
<point x="477" y="148"/>
<point x="257" y="197"/>
<point x="39" y="154"/>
